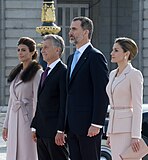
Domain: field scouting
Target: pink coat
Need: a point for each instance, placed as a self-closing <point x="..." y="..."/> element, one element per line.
<point x="125" y="96"/>
<point x="21" y="107"/>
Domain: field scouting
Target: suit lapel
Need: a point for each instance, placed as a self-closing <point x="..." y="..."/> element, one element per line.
<point x="40" y="88"/>
<point x="121" y="77"/>
<point x="81" y="61"/>
<point x="112" y="77"/>
<point x="48" y="77"/>
<point x="17" y="80"/>
<point x="13" y="85"/>
<point x="119" y="80"/>
<point x="69" y="67"/>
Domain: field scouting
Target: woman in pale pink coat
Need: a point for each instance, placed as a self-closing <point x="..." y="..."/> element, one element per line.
<point x="125" y="91"/>
<point x="24" y="80"/>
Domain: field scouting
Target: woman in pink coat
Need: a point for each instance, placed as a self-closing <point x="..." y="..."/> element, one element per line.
<point x="24" y="79"/>
<point x="125" y="91"/>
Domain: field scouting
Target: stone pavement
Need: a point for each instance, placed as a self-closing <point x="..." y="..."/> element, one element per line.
<point x="2" y="143"/>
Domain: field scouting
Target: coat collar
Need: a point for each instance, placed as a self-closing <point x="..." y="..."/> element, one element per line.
<point x="26" y="74"/>
<point x="120" y="78"/>
<point x="17" y="81"/>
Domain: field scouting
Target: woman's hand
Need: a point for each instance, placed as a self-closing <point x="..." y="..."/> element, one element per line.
<point x="108" y="142"/>
<point x="5" y="134"/>
<point x="34" y="137"/>
<point x="135" y="144"/>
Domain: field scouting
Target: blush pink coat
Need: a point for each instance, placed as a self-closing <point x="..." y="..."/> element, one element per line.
<point x="125" y="95"/>
<point x="21" y="107"/>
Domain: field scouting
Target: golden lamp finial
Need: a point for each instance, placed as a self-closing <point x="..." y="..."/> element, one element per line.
<point x="48" y="18"/>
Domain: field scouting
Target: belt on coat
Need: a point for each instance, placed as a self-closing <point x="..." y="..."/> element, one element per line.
<point x="114" y="109"/>
<point x="120" y="108"/>
<point x="20" y="104"/>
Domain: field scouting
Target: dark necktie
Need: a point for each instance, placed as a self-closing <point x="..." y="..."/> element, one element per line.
<point x="44" y="75"/>
<point x="74" y="61"/>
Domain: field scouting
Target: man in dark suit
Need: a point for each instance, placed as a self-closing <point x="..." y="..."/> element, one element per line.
<point x="51" y="104"/>
<point x="87" y="100"/>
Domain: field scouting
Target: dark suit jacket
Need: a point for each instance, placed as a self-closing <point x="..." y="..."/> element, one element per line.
<point x="51" y="104"/>
<point x="87" y="100"/>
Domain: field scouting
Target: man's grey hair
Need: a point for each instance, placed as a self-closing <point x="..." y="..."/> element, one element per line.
<point x="57" y="41"/>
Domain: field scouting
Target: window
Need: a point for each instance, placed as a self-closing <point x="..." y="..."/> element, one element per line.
<point x="65" y="13"/>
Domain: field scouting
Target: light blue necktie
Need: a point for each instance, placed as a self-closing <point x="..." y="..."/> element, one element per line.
<point x="74" y="61"/>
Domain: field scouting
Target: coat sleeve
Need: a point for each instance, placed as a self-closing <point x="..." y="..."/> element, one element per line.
<point x="5" y="125"/>
<point x="99" y="76"/>
<point x="36" y="82"/>
<point x="62" y="109"/>
<point x="137" y="96"/>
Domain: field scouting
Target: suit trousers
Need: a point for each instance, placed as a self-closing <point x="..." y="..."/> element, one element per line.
<point x="82" y="147"/>
<point x="48" y="150"/>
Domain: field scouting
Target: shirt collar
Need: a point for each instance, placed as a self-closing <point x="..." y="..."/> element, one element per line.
<point x="82" y="49"/>
<point x="53" y="64"/>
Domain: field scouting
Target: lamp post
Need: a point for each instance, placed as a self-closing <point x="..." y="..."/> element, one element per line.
<point x="48" y="26"/>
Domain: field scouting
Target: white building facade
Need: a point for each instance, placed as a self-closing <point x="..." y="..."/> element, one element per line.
<point x="112" y="18"/>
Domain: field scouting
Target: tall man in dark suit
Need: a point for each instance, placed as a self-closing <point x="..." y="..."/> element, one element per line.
<point x="50" y="113"/>
<point x="87" y="100"/>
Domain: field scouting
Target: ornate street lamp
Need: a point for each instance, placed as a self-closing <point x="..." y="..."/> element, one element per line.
<point x="48" y="18"/>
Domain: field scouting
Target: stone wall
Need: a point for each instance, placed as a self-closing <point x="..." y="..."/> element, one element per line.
<point x="112" y="18"/>
<point x="20" y="18"/>
<point x="145" y="47"/>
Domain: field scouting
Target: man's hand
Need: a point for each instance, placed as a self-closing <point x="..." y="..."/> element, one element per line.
<point x="93" y="131"/>
<point x="60" y="139"/>
<point x="34" y="137"/>
<point x="5" y="134"/>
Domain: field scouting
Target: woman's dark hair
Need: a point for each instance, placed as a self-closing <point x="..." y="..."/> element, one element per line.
<point x="31" y="70"/>
<point x="127" y="44"/>
<point x="30" y="43"/>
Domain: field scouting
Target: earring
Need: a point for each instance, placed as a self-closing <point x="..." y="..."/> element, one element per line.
<point x="125" y="57"/>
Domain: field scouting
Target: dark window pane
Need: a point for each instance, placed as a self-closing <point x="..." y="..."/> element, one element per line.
<point x="67" y="38"/>
<point x="83" y="11"/>
<point x="60" y="16"/>
<point x="75" y="12"/>
<point x="67" y="15"/>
